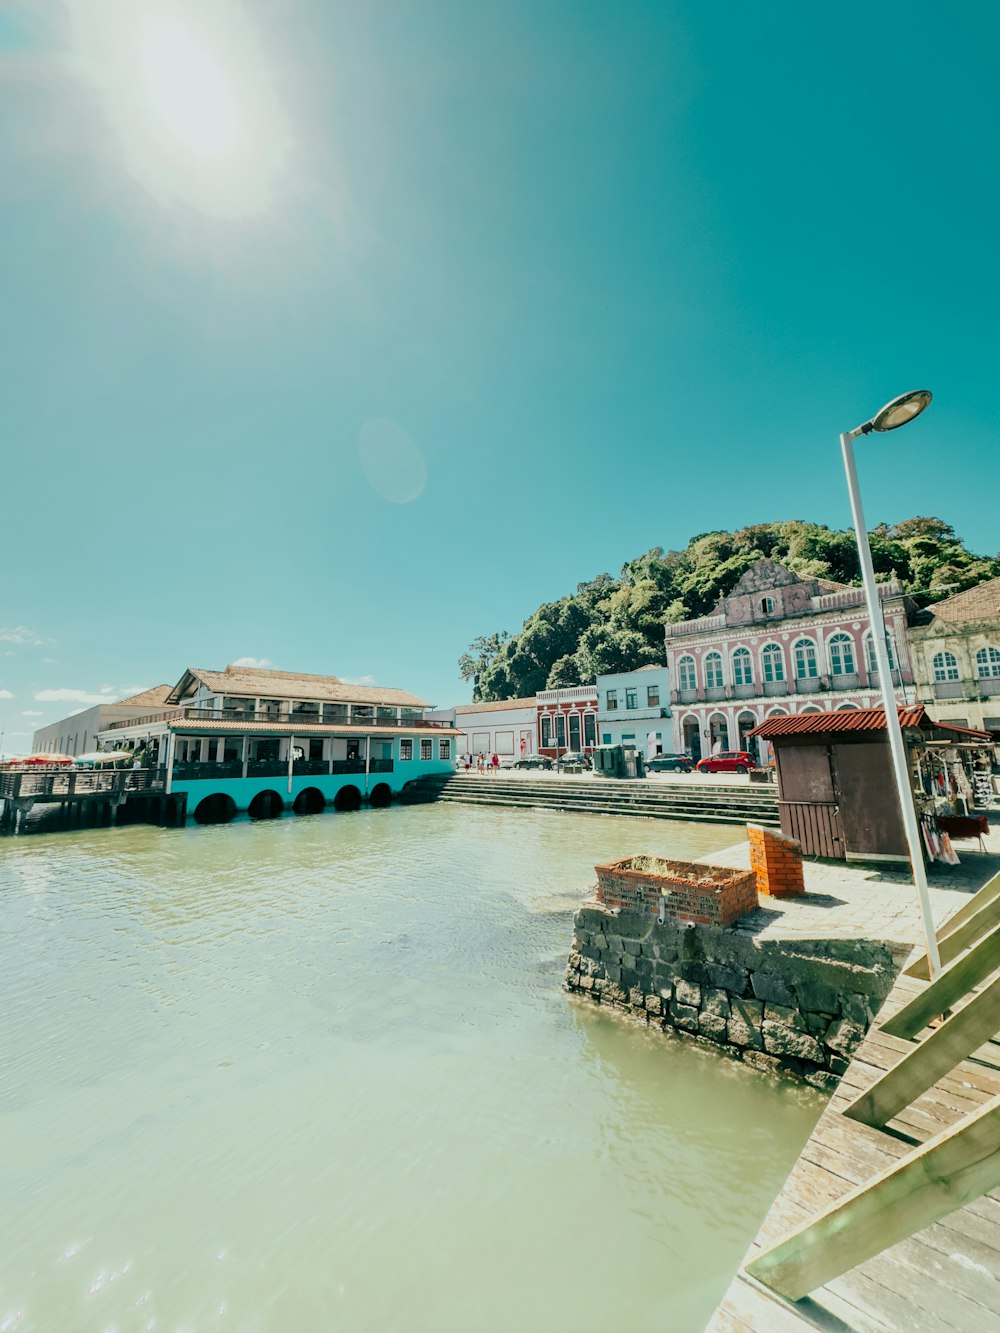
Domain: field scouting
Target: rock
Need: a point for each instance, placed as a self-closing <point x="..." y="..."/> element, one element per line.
<point x="600" y="942"/>
<point x="780" y="1013"/>
<point x="715" y="1002"/>
<point x="685" y="1016"/>
<point x="817" y="1024"/>
<point x="815" y="994"/>
<point x="844" y="1037"/>
<point x="688" y="993"/>
<point x="773" y="990"/>
<point x="858" y="1009"/>
<point x="628" y="978"/>
<point x="713" y="1026"/>
<point x="767" y="1064"/>
<point x="819" y="1078"/>
<point x="614" y="973"/>
<point x="632" y="947"/>
<point x="644" y="966"/>
<point x="637" y="998"/>
<point x="751" y="1011"/>
<point x="732" y="979"/>
<point x="666" y="993"/>
<point x="781" y="1040"/>
<point x="615" y="945"/>
<point x="654" y="1004"/>
<point x="586" y="983"/>
<point x="743" y="1031"/>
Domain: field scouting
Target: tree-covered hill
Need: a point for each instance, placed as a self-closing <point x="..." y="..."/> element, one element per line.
<point x="615" y="624"/>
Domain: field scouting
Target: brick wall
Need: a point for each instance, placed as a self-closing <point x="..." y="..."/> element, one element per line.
<point x="681" y="890"/>
<point x="776" y="861"/>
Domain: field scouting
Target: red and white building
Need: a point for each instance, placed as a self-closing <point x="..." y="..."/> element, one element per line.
<point x="779" y="644"/>
<point x="566" y="720"/>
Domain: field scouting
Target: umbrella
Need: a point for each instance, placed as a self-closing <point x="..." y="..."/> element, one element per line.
<point x="97" y="757"/>
<point x="39" y="759"/>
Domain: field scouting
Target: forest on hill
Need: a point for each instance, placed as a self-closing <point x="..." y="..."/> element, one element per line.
<point x="616" y="624"/>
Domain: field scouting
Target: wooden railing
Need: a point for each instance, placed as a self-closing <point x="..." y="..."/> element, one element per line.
<point x="68" y="783"/>
<point x="282" y="719"/>
<point x="950" y="1170"/>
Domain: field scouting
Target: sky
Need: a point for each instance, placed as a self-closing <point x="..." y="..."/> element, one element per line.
<point x="336" y="334"/>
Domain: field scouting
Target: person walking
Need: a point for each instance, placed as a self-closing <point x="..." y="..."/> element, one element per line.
<point x="496" y="764"/>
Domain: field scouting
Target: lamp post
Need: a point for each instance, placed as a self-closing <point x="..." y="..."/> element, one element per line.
<point x="896" y="413"/>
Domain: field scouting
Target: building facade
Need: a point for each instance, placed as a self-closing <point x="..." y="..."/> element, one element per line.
<point x="506" y="728"/>
<point x="78" y="734"/>
<point x="955" y="645"/>
<point x="633" y="710"/>
<point x="566" y="720"/>
<point x="261" y="741"/>
<point x="779" y="644"/>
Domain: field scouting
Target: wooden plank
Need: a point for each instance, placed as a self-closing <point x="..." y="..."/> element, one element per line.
<point x="900" y="1086"/>
<point x="950" y="986"/>
<point x="928" y="1184"/>
<point x="980" y="914"/>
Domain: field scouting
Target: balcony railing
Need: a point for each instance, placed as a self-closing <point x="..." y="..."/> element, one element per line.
<point x="988" y="685"/>
<point x="810" y="684"/>
<point x="772" y="687"/>
<point x="272" y="768"/>
<point x="744" y="691"/>
<point x="949" y="689"/>
<point x="849" y="680"/>
<point x="64" y="783"/>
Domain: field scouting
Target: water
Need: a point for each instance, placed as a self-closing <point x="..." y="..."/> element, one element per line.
<point x="319" y="1074"/>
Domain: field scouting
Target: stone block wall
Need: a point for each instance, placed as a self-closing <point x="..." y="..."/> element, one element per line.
<point x="792" y="1005"/>
<point x="776" y="860"/>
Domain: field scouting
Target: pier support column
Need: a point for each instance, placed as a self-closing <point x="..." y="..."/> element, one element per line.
<point x="291" y="761"/>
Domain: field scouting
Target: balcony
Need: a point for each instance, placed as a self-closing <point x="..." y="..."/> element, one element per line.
<point x="773" y="687"/>
<point x="988" y="685"/>
<point x="686" y="696"/>
<point x="950" y="689"/>
<point x="744" y="691"/>
<point x="810" y="684"/>
<point x="849" y="681"/>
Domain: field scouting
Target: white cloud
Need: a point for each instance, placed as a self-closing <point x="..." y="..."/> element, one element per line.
<point x="21" y="634"/>
<point x="50" y="661"/>
<point x="261" y="662"/>
<point x="357" y="680"/>
<point x="31" y="712"/>
<point x="6" y="694"/>
<point x="75" y="696"/>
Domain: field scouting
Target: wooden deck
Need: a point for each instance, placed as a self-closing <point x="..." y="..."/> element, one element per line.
<point x="945" y="1277"/>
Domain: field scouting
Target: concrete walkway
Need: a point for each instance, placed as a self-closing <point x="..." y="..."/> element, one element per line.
<point x="852" y="901"/>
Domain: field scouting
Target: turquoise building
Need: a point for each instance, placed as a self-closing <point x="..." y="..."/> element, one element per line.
<point x="264" y="741"/>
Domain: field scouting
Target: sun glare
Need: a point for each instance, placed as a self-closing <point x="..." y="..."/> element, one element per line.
<point x="187" y="91"/>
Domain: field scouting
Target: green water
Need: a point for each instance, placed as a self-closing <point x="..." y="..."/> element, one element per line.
<point x="319" y="1074"/>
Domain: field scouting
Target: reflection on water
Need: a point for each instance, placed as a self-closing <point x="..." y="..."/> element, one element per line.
<point x="320" y="1074"/>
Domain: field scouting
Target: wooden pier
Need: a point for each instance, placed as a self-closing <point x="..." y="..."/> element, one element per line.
<point x="890" y="1219"/>
<point x="75" y="798"/>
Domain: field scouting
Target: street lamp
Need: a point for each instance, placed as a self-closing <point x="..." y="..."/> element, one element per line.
<point x="895" y="414"/>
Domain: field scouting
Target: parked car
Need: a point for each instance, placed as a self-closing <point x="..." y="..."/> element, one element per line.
<point x="670" y="763"/>
<point x="726" y="761"/>
<point x="534" y="761"/>
<point x="573" y="759"/>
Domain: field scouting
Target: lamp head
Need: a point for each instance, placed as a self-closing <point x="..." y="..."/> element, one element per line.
<point x="899" y="411"/>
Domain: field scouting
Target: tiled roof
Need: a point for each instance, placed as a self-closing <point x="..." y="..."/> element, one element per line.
<point x="148" y="698"/>
<point x="979" y="603"/>
<point x="260" y="682"/>
<point x="854" y="719"/>
<point x="496" y="706"/>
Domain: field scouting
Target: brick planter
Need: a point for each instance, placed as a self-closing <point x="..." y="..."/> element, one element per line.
<point x="708" y="895"/>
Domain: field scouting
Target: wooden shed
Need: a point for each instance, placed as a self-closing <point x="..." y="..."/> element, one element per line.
<point x="836" y="788"/>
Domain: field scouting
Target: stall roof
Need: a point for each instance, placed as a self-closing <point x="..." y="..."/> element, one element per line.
<point x="911" y="716"/>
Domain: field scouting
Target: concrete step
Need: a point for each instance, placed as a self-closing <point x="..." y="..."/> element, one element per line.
<point x="659" y="810"/>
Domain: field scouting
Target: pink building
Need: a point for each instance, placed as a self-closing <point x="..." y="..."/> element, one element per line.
<point x="778" y="643"/>
<point x="567" y="719"/>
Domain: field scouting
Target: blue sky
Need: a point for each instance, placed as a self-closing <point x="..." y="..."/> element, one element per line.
<point x="335" y="335"/>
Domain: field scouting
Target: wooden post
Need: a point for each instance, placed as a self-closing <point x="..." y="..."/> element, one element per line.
<point x="944" y="1174"/>
<point x="947" y="989"/>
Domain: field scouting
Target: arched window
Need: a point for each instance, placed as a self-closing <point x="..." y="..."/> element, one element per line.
<point x="742" y="667"/>
<point x="687" y="678"/>
<point x="945" y="666"/>
<point x="841" y="654"/>
<point x="773" y="661"/>
<point x="890" y="648"/>
<point x="713" y="671"/>
<point x="804" y="654"/>
<point x="988" y="663"/>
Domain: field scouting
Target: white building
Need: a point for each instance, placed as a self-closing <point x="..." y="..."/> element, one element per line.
<point x="505" y="728"/>
<point x="633" y="710"/>
<point x="78" y="734"/>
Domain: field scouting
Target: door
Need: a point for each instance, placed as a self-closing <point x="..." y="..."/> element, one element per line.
<point x="869" y="806"/>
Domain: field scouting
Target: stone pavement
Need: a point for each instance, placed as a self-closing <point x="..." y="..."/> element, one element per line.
<point x="853" y="901"/>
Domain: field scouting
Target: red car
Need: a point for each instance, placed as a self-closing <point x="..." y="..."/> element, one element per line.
<point x="727" y="761"/>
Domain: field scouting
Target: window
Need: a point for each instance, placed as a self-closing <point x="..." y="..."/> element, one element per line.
<point x="804" y="654"/>
<point x="870" y="653"/>
<point x="269" y="707"/>
<point x="444" y="749"/>
<point x="773" y="662"/>
<point x="426" y="748"/>
<point x="240" y="706"/>
<point x="606" y="738"/>
<point x="362" y="712"/>
<point x="589" y="729"/>
<point x="631" y="698"/>
<point x="612" y="700"/>
<point x="945" y="666"/>
<point x="742" y="667"/>
<point x="652" y="696"/>
<point x="561" y="729"/>
<point x="405" y="748"/>
<point x="713" y="671"/>
<point x="315" y="747"/>
<point x="305" y="709"/>
<point x="335" y="712"/>
<point x="574" y="731"/>
<point x="988" y="663"/>
<point x="841" y="651"/>
<point x="546" y="732"/>
<point x="386" y="714"/>
<point x="686" y="676"/>
<point x="767" y="605"/>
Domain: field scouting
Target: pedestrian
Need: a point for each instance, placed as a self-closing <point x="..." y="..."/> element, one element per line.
<point x="480" y="763"/>
<point x="496" y="763"/>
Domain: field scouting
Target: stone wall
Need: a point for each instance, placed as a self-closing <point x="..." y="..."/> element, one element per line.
<point x="793" y="1005"/>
